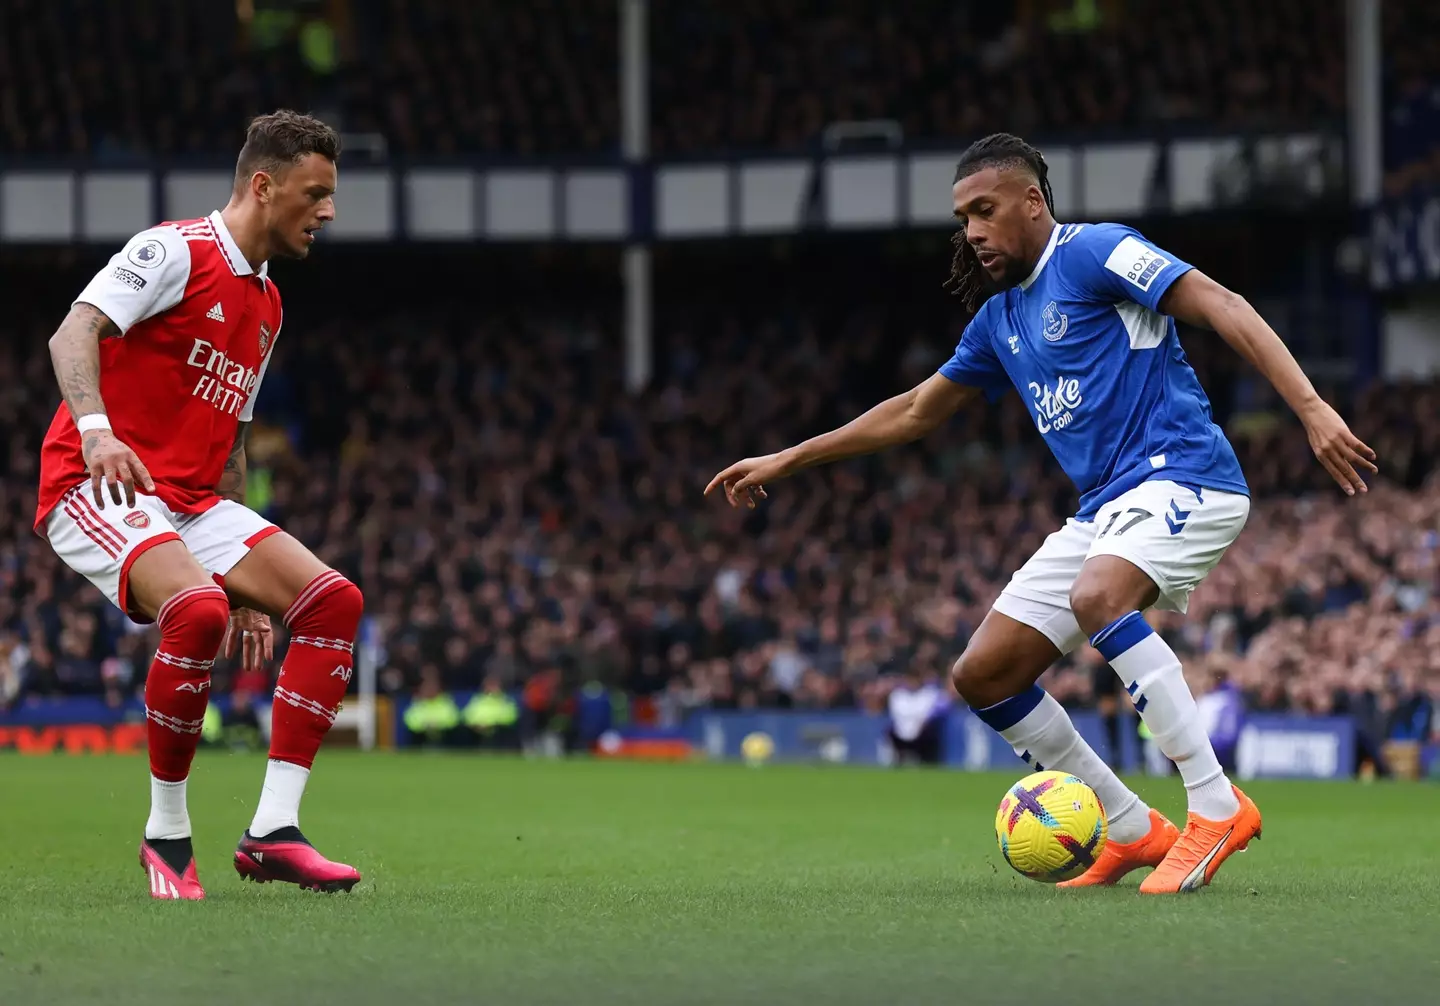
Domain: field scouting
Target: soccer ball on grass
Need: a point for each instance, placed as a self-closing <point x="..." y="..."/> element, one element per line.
<point x="1050" y="827"/>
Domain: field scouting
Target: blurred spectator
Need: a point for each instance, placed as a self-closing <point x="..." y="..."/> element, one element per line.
<point x="14" y="655"/>
<point x="236" y="727"/>
<point x="1222" y="710"/>
<point x="492" y="716"/>
<point x="543" y="723"/>
<point x="432" y="717"/>
<point x="917" y="709"/>
<point x="1106" y="690"/>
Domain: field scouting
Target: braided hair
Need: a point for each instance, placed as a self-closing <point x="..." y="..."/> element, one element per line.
<point x="967" y="278"/>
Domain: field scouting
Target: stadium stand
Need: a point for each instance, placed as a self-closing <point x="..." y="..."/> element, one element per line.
<point x="519" y="78"/>
<point x="529" y="524"/>
<point x="513" y="516"/>
<point x="504" y="78"/>
<point x="1412" y="93"/>
<point x="103" y="81"/>
<point x="776" y="76"/>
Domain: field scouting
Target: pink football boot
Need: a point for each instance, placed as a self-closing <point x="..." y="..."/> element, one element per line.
<point x="285" y="855"/>
<point x="169" y="863"/>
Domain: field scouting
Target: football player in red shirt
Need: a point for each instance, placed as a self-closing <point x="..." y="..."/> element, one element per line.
<point x="142" y="488"/>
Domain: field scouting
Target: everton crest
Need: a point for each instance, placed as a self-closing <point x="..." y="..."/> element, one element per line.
<point x="1053" y="324"/>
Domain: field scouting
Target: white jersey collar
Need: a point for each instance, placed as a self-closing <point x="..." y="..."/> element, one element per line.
<point x="1049" y="250"/>
<point x="230" y="251"/>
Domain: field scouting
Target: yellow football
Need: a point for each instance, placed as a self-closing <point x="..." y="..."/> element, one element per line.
<point x="1050" y="826"/>
<point x="757" y="749"/>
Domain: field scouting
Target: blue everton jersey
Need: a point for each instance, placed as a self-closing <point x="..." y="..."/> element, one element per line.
<point x="1084" y="342"/>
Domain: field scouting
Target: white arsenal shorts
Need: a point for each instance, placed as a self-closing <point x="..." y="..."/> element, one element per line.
<point x="1175" y="534"/>
<point x="101" y="545"/>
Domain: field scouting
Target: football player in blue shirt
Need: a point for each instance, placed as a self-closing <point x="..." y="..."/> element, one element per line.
<point x="1079" y="318"/>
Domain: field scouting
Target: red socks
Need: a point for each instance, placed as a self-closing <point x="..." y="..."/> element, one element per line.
<point x="323" y="622"/>
<point x="192" y="627"/>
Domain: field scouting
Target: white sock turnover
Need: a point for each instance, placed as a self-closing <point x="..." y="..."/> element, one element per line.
<point x="169" y="817"/>
<point x="279" y="798"/>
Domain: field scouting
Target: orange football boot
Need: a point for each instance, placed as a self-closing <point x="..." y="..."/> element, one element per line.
<point x="1202" y="847"/>
<point x="1118" y="859"/>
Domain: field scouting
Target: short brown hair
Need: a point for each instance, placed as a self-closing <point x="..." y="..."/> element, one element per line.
<point x="275" y="141"/>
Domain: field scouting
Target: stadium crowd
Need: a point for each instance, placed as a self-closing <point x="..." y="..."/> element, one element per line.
<point x="1412" y="95"/>
<point x="539" y="77"/>
<point x="945" y="70"/>
<point x="516" y="520"/>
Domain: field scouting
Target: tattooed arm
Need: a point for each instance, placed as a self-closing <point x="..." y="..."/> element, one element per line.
<point x="75" y="352"/>
<point x="232" y="480"/>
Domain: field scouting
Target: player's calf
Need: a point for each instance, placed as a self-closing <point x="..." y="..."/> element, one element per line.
<point x="192" y="624"/>
<point x="1005" y="658"/>
<point x="1152" y="675"/>
<point x="323" y="621"/>
<point x="322" y="609"/>
<point x="177" y="690"/>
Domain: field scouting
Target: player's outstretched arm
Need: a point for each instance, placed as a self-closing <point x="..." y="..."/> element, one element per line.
<point x="75" y="353"/>
<point x="897" y="420"/>
<point x="1198" y="300"/>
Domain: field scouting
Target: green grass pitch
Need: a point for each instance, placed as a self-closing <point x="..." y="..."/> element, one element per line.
<point x="511" y="882"/>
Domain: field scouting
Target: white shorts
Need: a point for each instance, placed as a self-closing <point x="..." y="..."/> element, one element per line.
<point x="1174" y="534"/>
<point x="101" y="545"/>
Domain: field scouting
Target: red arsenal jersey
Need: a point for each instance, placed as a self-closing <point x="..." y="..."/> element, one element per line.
<point x="197" y="329"/>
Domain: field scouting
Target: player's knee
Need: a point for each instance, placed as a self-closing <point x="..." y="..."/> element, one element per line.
<point x="1095" y="604"/>
<point x="341" y="608"/>
<point x="212" y="617"/>
<point x="979" y="678"/>
<point x="1108" y="588"/>
<point x="201" y="614"/>
<point x="348" y="603"/>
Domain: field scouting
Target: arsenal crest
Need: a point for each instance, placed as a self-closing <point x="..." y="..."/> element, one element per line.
<point x="137" y="519"/>
<point x="264" y="338"/>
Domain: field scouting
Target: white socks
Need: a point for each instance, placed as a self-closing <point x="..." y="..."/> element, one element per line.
<point x="1152" y="675"/>
<point x="1041" y="733"/>
<point x="279" y="798"/>
<point x="279" y="803"/>
<point x="168" y="816"/>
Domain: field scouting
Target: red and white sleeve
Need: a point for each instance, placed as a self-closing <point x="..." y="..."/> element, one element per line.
<point x="142" y="279"/>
